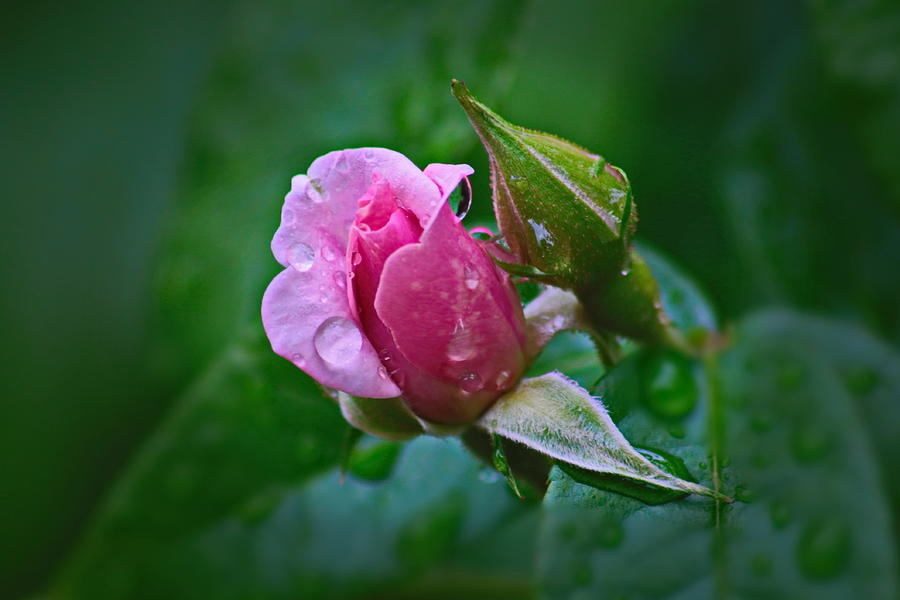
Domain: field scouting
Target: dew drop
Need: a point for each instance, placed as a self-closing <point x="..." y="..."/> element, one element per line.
<point x="340" y="279"/>
<point x="337" y="340"/>
<point x="287" y="216"/>
<point x="502" y="379"/>
<point x="541" y="233"/>
<point x="369" y="154"/>
<point x="470" y="382"/>
<point x="342" y="165"/>
<point x="314" y="191"/>
<point x="327" y="253"/>
<point x="677" y="431"/>
<point x="355" y="258"/>
<point x="460" y="347"/>
<point x="809" y="443"/>
<point x="609" y="534"/>
<point x="300" y="256"/>
<point x="670" y="390"/>
<point x="861" y="381"/>
<point x="823" y="549"/>
<point x="790" y="376"/>
<point x="471" y="277"/>
<point x="780" y="514"/>
<point x="382" y="372"/>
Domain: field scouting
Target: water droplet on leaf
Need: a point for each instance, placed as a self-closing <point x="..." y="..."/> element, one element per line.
<point x="670" y="391"/>
<point x="823" y="549"/>
<point x="780" y="514"/>
<point x="471" y="277"/>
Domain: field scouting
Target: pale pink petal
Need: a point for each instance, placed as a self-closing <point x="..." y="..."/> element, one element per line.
<point x="447" y="177"/>
<point x="326" y="198"/>
<point x="452" y="314"/>
<point x="308" y="321"/>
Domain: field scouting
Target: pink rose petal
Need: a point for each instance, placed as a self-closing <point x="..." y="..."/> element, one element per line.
<point x="308" y="321"/>
<point x="454" y="316"/>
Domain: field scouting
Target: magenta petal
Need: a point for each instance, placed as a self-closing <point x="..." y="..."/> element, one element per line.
<point x="452" y="315"/>
<point x="308" y="321"/>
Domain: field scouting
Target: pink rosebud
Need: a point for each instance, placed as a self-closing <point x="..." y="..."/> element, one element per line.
<point x="385" y="293"/>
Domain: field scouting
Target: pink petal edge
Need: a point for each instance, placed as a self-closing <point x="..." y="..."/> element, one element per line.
<point x="309" y="323"/>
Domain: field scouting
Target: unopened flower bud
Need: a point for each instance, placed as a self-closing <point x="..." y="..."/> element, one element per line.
<point x="561" y="209"/>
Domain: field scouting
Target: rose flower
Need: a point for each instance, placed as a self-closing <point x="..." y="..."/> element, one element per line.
<point x="385" y="294"/>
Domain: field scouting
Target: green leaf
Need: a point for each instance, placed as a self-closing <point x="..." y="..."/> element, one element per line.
<point x="556" y="417"/>
<point x="237" y="495"/>
<point x="788" y="431"/>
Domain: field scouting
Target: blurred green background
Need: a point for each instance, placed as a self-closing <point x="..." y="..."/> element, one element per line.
<point x="146" y="151"/>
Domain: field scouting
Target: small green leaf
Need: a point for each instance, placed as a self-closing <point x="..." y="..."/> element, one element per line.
<point x="387" y="418"/>
<point x="555" y="416"/>
<point x="502" y="465"/>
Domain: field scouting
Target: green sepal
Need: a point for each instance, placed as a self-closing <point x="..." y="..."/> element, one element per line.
<point x="387" y="418"/>
<point x="502" y="465"/>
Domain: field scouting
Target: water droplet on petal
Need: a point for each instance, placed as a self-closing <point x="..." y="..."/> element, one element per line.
<point x="342" y="165"/>
<point x="470" y="382"/>
<point x="337" y="340"/>
<point x="340" y="279"/>
<point x="460" y="347"/>
<point x="355" y="258"/>
<point x="471" y="277"/>
<point x="314" y="191"/>
<point x="287" y="216"/>
<point x="298" y="360"/>
<point x="488" y="475"/>
<point x="369" y="154"/>
<point x="780" y="513"/>
<point x="382" y="372"/>
<point x="502" y="379"/>
<point x="300" y="256"/>
<point x="327" y="253"/>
